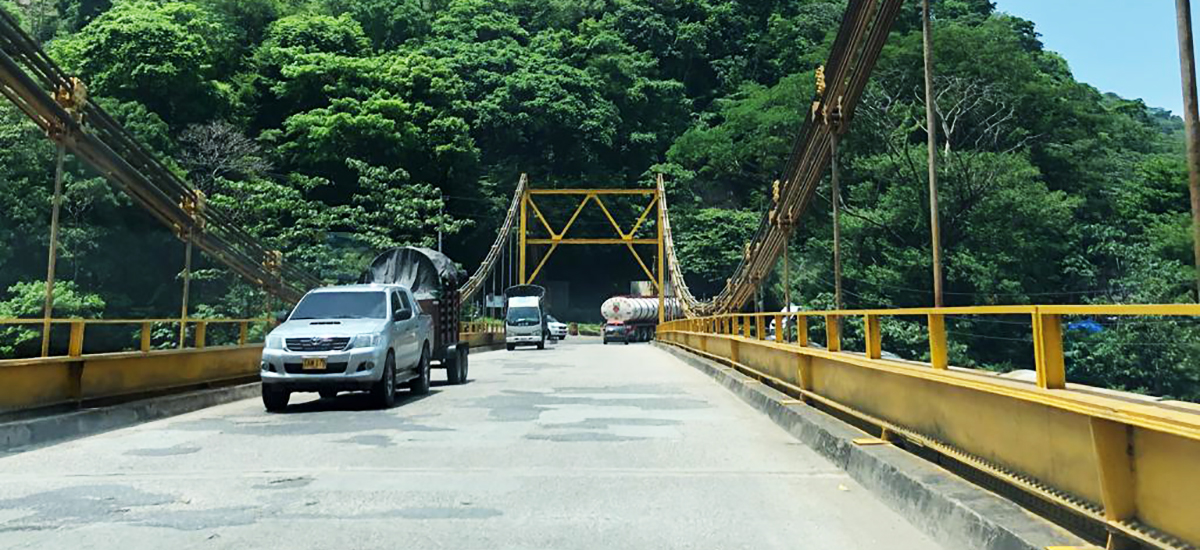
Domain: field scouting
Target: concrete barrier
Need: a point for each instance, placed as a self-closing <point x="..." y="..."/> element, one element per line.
<point x="45" y="382"/>
<point x="58" y="427"/>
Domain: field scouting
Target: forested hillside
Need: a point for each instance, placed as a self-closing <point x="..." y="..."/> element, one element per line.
<point x="334" y="128"/>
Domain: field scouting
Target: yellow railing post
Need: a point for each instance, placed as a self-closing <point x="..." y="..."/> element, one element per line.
<point x="874" y="336"/>
<point x="833" y="337"/>
<point x="243" y="331"/>
<point x="75" y="347"/>
<point x="146" y="337"/>
<point x="201" y="329"/>
<point x="939" y="357"/>
<point x="1113" y="447"/>
<point x="746" y="327"/>
<point x="759" y="332"/>
<point x="802" y="330"/>
<point x="780" y="334"/>
<point x="804" y="371"/>
<point x="1048" y="351"/>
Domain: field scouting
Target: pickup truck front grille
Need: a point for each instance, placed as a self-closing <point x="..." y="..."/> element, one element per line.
<point x="318" y="344"/>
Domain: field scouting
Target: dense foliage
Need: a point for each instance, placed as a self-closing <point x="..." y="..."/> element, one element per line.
<point x="333" y="128"/>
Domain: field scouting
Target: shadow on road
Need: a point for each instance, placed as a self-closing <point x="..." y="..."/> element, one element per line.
<point x="355" y="401"/>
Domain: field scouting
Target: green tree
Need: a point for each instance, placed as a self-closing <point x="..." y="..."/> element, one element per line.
<point x="160" y="55"/>
<point x="27" y="300"/>
<point x="388" y="23"/>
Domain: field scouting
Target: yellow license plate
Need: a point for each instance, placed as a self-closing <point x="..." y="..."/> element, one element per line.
<point x="314" y="363"/>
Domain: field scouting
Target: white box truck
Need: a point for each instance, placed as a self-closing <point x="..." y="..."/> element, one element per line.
<point x="525" y="317"/>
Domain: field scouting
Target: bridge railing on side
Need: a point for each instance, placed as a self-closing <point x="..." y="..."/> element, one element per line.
<point x="131" y="369"/>
<point x="211" y="351"/>
<point x="482" y="333"/>
<point x="1128" y="462"/>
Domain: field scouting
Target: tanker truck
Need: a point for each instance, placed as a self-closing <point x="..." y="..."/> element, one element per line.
<point x="638" y="314"/>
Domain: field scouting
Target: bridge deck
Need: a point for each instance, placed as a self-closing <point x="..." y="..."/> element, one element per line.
<point x="580" y="446"/>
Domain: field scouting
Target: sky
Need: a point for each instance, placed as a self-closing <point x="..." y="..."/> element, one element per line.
<point x="1129" y="47"/>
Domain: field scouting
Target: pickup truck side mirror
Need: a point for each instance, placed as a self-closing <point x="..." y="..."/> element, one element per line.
<point x="402" y="314"/>
<point x="281" y="317"/>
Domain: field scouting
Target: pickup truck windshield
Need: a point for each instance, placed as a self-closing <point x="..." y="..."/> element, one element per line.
<point x="522" y="316"/>
<point x="342" y="305"/>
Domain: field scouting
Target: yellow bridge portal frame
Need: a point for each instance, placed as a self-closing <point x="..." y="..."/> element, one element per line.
<point x="626" y="239"/>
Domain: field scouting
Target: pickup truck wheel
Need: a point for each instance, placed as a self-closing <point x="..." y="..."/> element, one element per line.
<point x="464" y="363"/>
<point x="454" y="366"/>
<point x="510" y="347"/>
<point x="420" y="384"/>
<point x="383" y="393"/>
<point x="275" y="400"/>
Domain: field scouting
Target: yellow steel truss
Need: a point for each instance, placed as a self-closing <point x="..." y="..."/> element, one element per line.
<point x="623" y="238"/>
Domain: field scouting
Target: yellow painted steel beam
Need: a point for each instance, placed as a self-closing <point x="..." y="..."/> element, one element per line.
<point x="574" y="216"/>
<point x="649" y="273"/>
<point x="537" y="212"/>
<point x="874" y="336"/>
<point x="1048" y="351"/>
<point x="1147" y="309"/>
<point x="581" y="241"/>
<point x="833" y="333"/>
<point x="523" y="237"/>
<point x="538" y="269"/>
<point x="1113" y="442"/>
<point x="642" y="218"/>
<point x="607" y="214"/>
<point x="939" y="354"/>
<point x="592" y="191"/>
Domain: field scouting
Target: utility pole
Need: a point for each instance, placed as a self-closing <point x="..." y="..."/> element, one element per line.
<point x="787" y="274"/>
<point x="187" y="285"/>
<point x="935" y="228"/>
<point x="55" y="207"/>
<point x="441" y="222"/>
<point x="1187" y="67"/>
<point x="835" y="198"/>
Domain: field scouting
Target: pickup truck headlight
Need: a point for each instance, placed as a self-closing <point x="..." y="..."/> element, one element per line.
<point x="274" y="342"/>
<point x="366" y="341"/>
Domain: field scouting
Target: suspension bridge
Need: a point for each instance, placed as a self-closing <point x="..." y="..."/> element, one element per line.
<point x="1096" y="466"/>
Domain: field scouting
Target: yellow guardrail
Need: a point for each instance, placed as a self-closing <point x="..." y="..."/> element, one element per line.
<point x="200" y="329"/>
<point x="482" y="333"/>
<point x="482" y="326"/>
<point x="1124" y="460"/>
<point x="79" y="376"/>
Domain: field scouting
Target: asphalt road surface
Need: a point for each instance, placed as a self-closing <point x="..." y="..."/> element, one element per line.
<point x="578" y="446"/>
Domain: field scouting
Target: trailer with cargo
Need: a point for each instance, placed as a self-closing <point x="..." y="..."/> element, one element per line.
<point x="434" y="280"/>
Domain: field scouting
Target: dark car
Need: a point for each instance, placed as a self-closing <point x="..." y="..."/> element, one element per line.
<point x="616" y="331"/>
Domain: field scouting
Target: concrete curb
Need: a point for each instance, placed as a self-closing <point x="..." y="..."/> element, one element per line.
<point x="954" y="512"/>
<point x="58" y="427"/>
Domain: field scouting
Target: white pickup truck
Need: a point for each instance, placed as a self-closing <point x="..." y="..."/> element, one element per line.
<point x="369" y="337"/>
